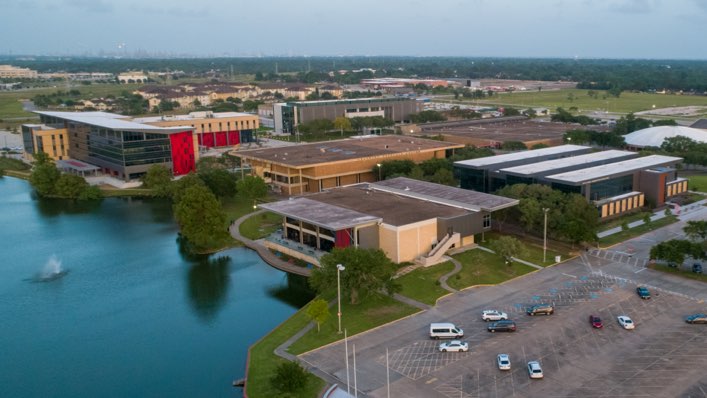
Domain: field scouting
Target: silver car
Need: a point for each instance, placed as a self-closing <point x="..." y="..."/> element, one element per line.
<point x="493" y="315"/>
<point x="534" y="370"/>
<point x="503" y="361"/>
<point x="454" y="346"/>
<point x="625" y="322"/>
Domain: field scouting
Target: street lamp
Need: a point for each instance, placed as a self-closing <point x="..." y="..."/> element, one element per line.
<point x="380" y="173"/>
<point x="545" y="210"/>
<point x="339" y="268"/>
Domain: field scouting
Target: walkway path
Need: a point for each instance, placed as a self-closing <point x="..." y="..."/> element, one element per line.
<point x="267" y="256"/>
<point x="443" y="278"/>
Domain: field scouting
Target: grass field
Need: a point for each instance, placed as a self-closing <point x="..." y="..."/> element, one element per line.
<point x="697" y="183"/>
<point x="636" y="231"/>
<point x="533" y="252"/>
<point x="11" y="107"/>
<point x="626" y="103"/>
<point x="260" y="226"/>
<point x="422" y="284"/>
<point x="483" y="268"/>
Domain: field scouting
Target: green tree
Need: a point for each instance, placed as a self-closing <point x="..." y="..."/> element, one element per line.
<point x="178" y="187"/>
<point x="44" y="174"/>
<point x="508" y="247"/>
<point x="678" y="144"/>
<point x="674" y="251"/>
<point x="318" y="311"/>
<point x="220" y="181"/>
<point x="158" y="178"/>
<point x="513" y="146"/>
<point x="696" y="229"/>
<point x="394" y="167"/>
<point x="342" y="123"/>
<point x="200" y="216"/>
<point x="539" y="145"/>
<point x="289" y="378"/>
<point x="69" y="186"/>
<point x="252" y="187"/>
<point x="444" y="177"/>
<point x="427" y="116"/>
<point x="367" y="271"/>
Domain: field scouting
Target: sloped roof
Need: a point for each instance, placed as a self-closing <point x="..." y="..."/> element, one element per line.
<point x="654" y="136"/>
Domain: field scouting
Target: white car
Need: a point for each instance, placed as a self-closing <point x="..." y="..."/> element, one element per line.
<point x="503" y="361"/>
<point x="454" y="346"/>
<point x="625" y="322"/>
<point x="493" y="315"/>
<point x="534" y="370"/>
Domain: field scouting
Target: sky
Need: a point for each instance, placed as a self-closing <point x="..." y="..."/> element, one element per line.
<point x="663" y="29"/>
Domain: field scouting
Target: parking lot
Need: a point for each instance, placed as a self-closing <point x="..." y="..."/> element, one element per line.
<point x="662" y="357"/>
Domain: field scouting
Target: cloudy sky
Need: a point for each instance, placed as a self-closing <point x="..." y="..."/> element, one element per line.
<point x="506" y="28"/>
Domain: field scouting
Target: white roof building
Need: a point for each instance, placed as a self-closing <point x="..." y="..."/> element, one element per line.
<point x="654" y="136"/>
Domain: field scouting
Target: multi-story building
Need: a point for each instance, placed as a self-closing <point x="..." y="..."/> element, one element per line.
<point x="42" y="138"/>
<point x="288" y="115"/>
<point x="309" y="168"/>
<point x="211" y="129"/>
<point x="13" y="72"/>
<point x="120" y="147"/>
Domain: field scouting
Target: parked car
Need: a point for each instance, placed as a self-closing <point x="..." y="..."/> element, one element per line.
<point x="493" y="315"/>
<point x="502" y="326"/>
<point x="595" y="321"/>
<point x="696" y="318"/>
<point x="454" y="346"/>
<point x="503" y="361"/>
<point x="534" y="370"/>
<point x="697" y="268"/>
<point x="625" y="322"/>
<point x="643" y="292"/>
<point x="544" y="309"/>
<point x="445" y="330"/>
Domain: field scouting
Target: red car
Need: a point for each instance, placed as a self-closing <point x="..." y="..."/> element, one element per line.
<point x="595" y="321"/>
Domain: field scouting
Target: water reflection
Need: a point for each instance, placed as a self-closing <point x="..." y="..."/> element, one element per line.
<point x="208" y="282"/>
<point x="52" y="207"/>
<point x="296" y="293"/>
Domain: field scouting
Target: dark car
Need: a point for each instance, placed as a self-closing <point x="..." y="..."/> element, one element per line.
<point x="595" y="321"/>
<point x="643" y="292"/>
<point x="696" y="318"/>
<point x="544" y="309"/>
<point x="502" y="326"/>
<point x="697" y="268"/>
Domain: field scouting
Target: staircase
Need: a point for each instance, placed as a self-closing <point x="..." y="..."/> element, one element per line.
<point x="434" y="256"/>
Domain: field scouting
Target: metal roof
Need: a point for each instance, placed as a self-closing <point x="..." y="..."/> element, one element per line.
<point x="443" y="194"/>
<point x="579" y="160"/>
<point x="111" y="121"/>
<point x="606" y="171"/>
<point x="322" y="214"/>
<point x="509" y="157"/>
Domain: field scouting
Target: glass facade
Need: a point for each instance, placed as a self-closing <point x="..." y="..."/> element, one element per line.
<point x="128" y="148"/>
<point x="472" y="179"/>
<point x="567" y="188"/>
<point x="288" y="119"/>
<point x="611" y="187"/>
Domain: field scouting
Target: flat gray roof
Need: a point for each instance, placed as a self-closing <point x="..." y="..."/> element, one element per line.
<point x="190" y="117"/>
<point x="111" y="121"/>
<point x="605" y="171"/>
<point x="578" y="160"/>
<point x="509" y="157"/>
<point x="442" y="194"/>
<point x="319" y="213"/>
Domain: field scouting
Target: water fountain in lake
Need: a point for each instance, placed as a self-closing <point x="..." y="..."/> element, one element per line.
<point x="52" y="270"/>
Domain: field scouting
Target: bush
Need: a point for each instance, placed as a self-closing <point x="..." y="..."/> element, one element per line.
<point x="624" y="226"/>
<point x="290" y="377"/>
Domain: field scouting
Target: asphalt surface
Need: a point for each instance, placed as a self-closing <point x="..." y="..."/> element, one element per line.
<point x="662" y="357"/>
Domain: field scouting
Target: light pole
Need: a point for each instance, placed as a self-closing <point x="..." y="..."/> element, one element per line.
<point x="545" y="210"/>
<point x="339" y="268"/>
<point x="380" y="173"/>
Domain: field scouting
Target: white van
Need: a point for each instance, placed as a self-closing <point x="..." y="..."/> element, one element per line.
<point x="445" y="331"/>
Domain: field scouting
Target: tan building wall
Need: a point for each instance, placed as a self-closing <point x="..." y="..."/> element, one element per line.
<point x="621" y="206"/>
<point x="416" y="239"/>
<point x="54" y="143"/>
<point x="213" y="124"/>
<point x="389" y="241"/>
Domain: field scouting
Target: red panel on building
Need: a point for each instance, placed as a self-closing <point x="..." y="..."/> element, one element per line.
<point x="207" y="139"/>
<point x="234" y="138"/>
<point x="343" y="238"/>
<point x="221" y="138"/>
<point x="182" y="153"/>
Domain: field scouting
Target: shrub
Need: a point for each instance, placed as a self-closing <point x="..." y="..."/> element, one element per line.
<point x="290" y="377"/>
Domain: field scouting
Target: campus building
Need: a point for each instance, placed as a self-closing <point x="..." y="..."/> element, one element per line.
<point x="211" y="129"/>
<point x="615" y="181"/>
<point x="310" y="168"/>
<point x="118" y="146"/>
<point x="14" y="72"/>
<point x="288" y="115"/>
<point x="409" y="220"/>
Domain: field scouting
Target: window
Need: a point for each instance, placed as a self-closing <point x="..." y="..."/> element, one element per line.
<point x="487" y="221"/>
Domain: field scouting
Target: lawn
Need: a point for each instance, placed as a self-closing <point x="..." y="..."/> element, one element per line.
<point x="680" y="273"/>
<point x="482" y="268"/>
<point x="236" y="207"/>
<point x="629" y="218"/>
<point x="697" y="183"/>
<point x="12" y="164"/>
<point x="422" y="284"/>
<point x="109" y="191"/>
<point x="375" y="310"/>
<point x="636" y="231"/>
<point x="261" y="225"/>
<point x="533" y="251"/>
<point x="627" y="102"/>
<point x="263" y="361"/>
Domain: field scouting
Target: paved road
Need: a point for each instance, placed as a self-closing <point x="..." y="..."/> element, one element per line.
<point x="663" y="357"/>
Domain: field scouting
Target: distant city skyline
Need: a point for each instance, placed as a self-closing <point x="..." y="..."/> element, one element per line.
<point x="651" y="29"/>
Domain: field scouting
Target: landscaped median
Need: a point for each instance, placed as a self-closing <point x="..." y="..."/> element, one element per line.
<point x="630" y="233"/>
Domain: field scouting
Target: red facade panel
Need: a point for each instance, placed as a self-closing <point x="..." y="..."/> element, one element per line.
<point x="234" y="137"/>
<point x="182" y="153"/>
<point x="343" y="238"/>
<point x="221" y="138"/>
<point x="207" y="139"/>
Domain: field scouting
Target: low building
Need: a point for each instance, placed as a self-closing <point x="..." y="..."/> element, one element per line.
<point x="655" y="136"/>
<point x="119" y="146"/>
<point x="14" y="72"/>
<point x="212" y="129"/>
<point x="132" y="77"/>
<point x="288" y="115"/>
<point x="310" y="168"/>
<point x="409" y="220"/>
